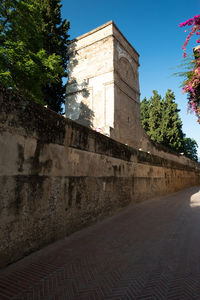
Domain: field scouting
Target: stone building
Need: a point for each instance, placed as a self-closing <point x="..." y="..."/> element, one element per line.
<point x="103" y="86"/>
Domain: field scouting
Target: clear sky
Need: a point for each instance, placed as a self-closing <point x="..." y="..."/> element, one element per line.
<point x="151" y="26"/>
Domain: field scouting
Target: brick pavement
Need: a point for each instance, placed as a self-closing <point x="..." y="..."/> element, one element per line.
<point x="148" y="251"/>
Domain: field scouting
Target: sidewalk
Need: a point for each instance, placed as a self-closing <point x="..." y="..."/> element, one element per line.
<point x="148" y="251"/>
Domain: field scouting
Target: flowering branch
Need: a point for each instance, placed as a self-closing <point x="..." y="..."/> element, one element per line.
<point x="192" y="84"/>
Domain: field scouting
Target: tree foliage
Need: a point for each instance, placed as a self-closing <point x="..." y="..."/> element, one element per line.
<point x="155" y="117"/>
<point x="144" y="111"/>
<point x="171" y="124"/>
<point x="160" y="118"/>
<point x="55" y="41"/>
<point x="190" y="148"/>
<point x="191" y="84"/>
<point x="24" y="64"/>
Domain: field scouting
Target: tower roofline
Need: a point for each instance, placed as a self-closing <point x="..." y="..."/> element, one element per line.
<point x="100" y="28"/>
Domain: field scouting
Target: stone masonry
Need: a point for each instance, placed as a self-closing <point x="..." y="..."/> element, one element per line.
<point x="103" y="87"/>
<point x="57" y="176"/>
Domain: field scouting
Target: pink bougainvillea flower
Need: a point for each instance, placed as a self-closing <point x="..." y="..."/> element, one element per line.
<point x="194" y="21"/>
<point x="192" y="85"/>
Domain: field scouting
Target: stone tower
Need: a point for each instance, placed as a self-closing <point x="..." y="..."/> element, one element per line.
<point x="103" y="86"/>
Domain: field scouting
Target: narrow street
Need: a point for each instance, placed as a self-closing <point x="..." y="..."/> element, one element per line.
<point x="148" y="251"/>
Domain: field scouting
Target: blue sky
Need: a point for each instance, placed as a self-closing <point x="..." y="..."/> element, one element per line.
<point x="151" y="26"/>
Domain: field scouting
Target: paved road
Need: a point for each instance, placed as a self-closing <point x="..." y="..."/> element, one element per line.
<point x="149" y="251"/>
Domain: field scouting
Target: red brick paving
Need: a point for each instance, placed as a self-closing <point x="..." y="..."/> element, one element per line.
<point x="150" y="251"/>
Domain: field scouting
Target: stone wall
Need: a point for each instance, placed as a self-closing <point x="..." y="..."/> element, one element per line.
<point x="57" y="176"/>
<point x="89" y="93"/>
<point x="103" y="87"/>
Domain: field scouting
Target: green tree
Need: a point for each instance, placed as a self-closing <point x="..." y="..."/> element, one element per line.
<point x="24" y="64"/>
<point x="144" y="113"/>
<point x="190" y="148"/>
<point x="55" y="37"/>
<point x="160" y="118"/>
<point x="171" y="125"/>
<point x="155" y="117"/>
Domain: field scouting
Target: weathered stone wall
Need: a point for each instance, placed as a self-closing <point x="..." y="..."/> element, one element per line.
<point x="90" y="93"/>
<point x="104" y="84"/>
<point x="127" y="92"/>
<point x="57" y="176"/>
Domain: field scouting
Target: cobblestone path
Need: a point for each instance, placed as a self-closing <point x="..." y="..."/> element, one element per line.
<point x="148" y="251"/>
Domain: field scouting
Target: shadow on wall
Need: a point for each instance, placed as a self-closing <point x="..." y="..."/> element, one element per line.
<point x="77" y="93"/>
